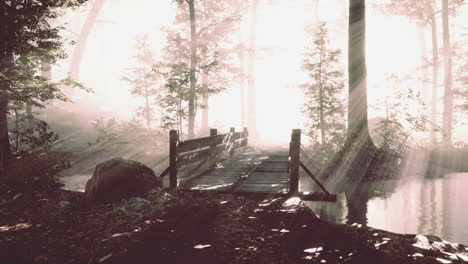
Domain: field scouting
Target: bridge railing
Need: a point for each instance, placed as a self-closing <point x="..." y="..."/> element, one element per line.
<point x="187" y="152"/>
<point x="295" y="163"/>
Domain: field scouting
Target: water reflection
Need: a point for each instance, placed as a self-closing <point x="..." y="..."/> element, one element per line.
<point x="427" y="206"/>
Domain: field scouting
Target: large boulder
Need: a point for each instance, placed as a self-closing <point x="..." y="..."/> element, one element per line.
<point x="120" y="178"/>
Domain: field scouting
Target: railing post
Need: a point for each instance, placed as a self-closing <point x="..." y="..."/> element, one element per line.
<point x="294" y="155"/>
<point x="246" y="136"/>
<point x="231" y="142"/>
<point x="173" y="139"/>
<point x="213" y="132"/>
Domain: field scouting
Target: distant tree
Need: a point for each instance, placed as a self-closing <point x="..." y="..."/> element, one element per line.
<point x="173" y="100"/>
<point x="193" y="65"/>
<point x="213" y="70"/>
<point x="460" y="52"/>
<point x="403" y="116"/>
<point x="83" y="36"/>
<point x="26" y="40"/>
<point x="251" y="106"/>
<point x="144" y="79"/>
<point x="424" y="13"/>
<point x="448" y="93"/>
<point x="324" y="90"/>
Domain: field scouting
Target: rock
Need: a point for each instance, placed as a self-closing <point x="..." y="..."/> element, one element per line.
<point x="118" y="178"/>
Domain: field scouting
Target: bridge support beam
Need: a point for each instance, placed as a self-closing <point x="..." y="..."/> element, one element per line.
<point x="294" y="160"/>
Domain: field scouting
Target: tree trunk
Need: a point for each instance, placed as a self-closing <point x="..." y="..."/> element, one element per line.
<point x="435" y="78"/>
<point x="6" y="62"/>
<point x="205" y="111"/>
<point x="321" y="106"/>
<point x="424" y="76"/>
<point x="242" y="82"/>
<point x="83" y="38"/>
<point x="193" y="67"/>
<point x="252" y="113"/>
<point x="357" y="71"/>
<point x="448" y="95"/>
<point x="147" y="107"/>
<point x="355" y="158"/>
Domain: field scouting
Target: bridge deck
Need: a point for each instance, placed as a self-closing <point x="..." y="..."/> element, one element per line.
<point x="251" y="172"/>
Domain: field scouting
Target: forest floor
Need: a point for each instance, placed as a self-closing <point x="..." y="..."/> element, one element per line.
<point x="41" y="223"/>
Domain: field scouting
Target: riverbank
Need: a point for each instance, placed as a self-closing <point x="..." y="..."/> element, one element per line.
<point x="41" y="223"/>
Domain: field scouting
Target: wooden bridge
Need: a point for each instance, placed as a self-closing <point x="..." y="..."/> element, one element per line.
<point x="194" y="165"/>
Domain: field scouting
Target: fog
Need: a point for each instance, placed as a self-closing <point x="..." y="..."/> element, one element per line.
<point x="393" y="47"/>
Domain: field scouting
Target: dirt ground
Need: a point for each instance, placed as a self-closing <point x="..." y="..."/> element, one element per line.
<point x="41" y="223"/>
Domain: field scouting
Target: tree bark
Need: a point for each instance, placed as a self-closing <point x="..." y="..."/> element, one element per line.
<point x="6" y="62"/>
<point x="252" y="113"/>
<point x="355" y="158"/>
<point x="435" y="78"/>
<point x="448" y="95"/>
<point x="193" y="67"/>
<point x="83" y="37"/>
<point x="357" y="81"/>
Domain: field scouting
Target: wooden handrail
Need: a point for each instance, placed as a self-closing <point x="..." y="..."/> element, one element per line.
<point x="190" y="151"/>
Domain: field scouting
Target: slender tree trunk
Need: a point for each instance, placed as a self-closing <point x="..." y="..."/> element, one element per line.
<point x="147" y="109"/>
<point x="205" y="110"/>
<point x="424" y="87"/>
<point x="242" y="81"/>
<point x="252" y="113"/>
<point x="17" y="134"/>
<point x="83" y="38"/>
<point x="193" y="67"/>
<point x="448" y="95"/>
<point x="321" y="106"/>
<point x="435" y="78"/>
<point x="6" y="62"/>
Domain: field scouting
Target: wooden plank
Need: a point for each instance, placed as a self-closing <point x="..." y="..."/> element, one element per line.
<point x="198" y="143"/>
<point x="264" y="165"/>
<point x="266" y="169"/>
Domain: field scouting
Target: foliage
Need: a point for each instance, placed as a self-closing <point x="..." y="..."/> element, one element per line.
<point x="459" y="55"/>
<point x="111" y="134"/>
<point x="28" y="42"/>
<point x="403" y="117"/>
<point x="421" y="12"/>
<point x="144" y="80"/>
<point x="324" y="106"/>
<point x="30" y="133"/>
<point x="215" y="20"/>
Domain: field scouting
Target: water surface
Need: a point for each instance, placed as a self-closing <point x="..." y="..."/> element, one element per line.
<point x="417" y="206"/>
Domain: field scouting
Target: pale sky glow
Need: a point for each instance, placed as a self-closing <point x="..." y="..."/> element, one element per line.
<point x="392" y="47"/>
